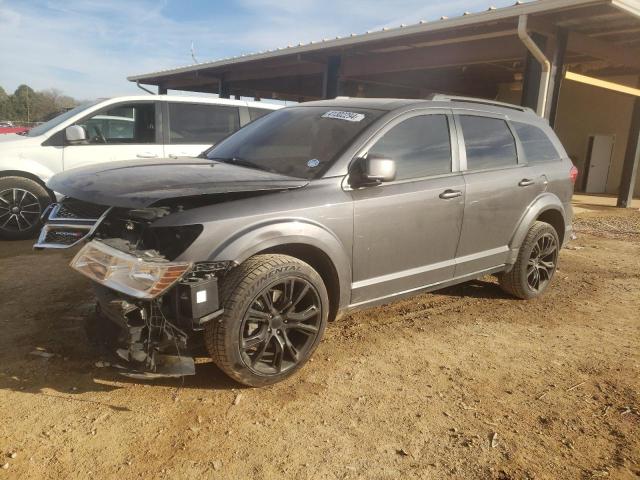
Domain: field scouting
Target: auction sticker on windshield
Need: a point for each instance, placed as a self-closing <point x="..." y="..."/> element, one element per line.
<point x="348" y="116"/>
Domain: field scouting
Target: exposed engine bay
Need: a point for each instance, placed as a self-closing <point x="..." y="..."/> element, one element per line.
<point x="150" y="309"/>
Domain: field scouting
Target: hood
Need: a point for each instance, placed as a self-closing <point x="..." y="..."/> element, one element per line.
<point x="8" y="138"/>
<point x="139" y="184"/>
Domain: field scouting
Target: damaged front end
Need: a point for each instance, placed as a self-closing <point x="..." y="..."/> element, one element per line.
<point x="151" y="308"/>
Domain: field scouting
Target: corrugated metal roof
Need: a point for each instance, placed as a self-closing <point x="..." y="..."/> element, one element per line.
<point x="467" y="19"/>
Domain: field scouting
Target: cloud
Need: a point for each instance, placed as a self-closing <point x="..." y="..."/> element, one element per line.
<point x="87" y="48"/>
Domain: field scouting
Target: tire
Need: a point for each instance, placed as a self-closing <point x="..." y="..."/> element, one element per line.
<point x="22" y="202"/>
<point x="538" y="255"/>
<point x="266" y="332"/>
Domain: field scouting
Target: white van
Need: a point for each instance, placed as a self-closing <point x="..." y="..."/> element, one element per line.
<point x="119" y="128"/>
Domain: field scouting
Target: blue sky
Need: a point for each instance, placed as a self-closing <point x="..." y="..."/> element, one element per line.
<point x="88" y="48"/>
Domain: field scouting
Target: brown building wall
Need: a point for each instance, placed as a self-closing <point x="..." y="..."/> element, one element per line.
<point x="585" y="110"/>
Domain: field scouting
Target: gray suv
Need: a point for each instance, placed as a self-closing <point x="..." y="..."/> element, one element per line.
<point x="304" y="215"/>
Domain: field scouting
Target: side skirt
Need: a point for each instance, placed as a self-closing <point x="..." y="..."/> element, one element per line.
<point x="423" y="289"/>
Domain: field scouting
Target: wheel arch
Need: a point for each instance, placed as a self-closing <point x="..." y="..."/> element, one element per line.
<point x="321" y="263"/>
<point x="30" y="176"/>
<point x="546" y="208"/>
<point x="307" y="241"/>
<point x="554" y="217"/>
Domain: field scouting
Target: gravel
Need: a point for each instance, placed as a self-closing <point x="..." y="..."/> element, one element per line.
<point x="625" y="226"/>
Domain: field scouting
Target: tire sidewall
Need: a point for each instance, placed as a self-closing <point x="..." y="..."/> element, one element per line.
<point x="525" y="253"/>
<point x="243" y="300"/>
<point x="38" y="191"/>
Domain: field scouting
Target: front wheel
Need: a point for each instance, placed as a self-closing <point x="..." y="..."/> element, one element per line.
<point x="276" y="309"/>
<point x="22" y="202"/>
<point x="536" y="263"/>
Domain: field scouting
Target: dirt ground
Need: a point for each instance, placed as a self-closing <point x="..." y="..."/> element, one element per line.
<point x="464" y="383"/>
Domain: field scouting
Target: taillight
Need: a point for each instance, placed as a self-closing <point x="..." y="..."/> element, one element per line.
<point x="573" y="174"/>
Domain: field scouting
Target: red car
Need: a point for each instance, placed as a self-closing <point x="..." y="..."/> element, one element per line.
<point x="13" y="130"/>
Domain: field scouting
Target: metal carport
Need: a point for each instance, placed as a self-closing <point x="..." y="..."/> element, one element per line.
<point x="488" y="54"/>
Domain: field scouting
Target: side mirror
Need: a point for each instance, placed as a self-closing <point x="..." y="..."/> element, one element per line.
<point x="372" y="171"/>
<point x="75" y="134"/>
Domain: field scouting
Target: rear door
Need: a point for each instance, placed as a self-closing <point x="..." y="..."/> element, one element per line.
<point x="406" y="231"/>
<point x="121" y="131"/>
<point x="191" y="128"/>
<point x="499" y="188"/>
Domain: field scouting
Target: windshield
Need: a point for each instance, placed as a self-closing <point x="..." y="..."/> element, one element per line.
<point x="300" y="142"/>
<point x="55" y="121"/>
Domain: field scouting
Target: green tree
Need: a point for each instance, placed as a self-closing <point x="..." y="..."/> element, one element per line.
<point x="22" y="101"/>
<point x="6" y="112"/>
<point x="27" y="105"/>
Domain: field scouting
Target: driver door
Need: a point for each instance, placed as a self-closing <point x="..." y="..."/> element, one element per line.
<point x="123" y="131"/>
<point x="406" y="231"/>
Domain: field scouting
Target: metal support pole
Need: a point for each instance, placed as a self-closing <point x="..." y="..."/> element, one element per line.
<point x="223" y="88"/>
<point x="631" y="159"/>
<point x="557" y="74"/>
<point x="331" y="85"/>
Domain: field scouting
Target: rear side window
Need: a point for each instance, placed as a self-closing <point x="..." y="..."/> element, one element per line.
<point x="255" y="113"/>
<point x="420" y="146"/>
<point x="489" y="143"/>
<point x="201" y="124"/>
<point x="536" y="144"/>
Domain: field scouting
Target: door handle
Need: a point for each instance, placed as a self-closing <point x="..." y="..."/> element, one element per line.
<point x="525" y="182"/>
<point x="146" y="155"/>
<point x="447" y="194"/>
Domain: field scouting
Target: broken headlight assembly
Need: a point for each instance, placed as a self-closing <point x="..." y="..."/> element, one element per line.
<point x="144" y="276"/>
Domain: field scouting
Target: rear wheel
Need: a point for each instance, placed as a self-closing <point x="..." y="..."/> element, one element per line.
<point x="536" y="263"/>
<point x="22" y="202"/>
<point x="276" y="309"/>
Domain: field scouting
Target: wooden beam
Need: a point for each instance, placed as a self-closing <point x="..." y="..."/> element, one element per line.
<point x="467" y="53"/>
<point x="596" y="82"/>
<point x="275" y="72"/>
<point x="594" y="47"/>
<point x="183" y="83"/>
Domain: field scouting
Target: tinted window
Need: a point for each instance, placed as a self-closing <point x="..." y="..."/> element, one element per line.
<point x="420" y="147"/>
<point x="537" y="146"/>
<point x="489" y="143"/>
<point x="208" y="124"/>
<point x="257" y="112"/>
<point x="131" y="123"/>
<point x="296" y="141"/>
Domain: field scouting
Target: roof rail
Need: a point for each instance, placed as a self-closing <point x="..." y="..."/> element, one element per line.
<point x="481" y="101"/>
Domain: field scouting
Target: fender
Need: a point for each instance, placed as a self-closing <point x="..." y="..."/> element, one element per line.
<point x="27" y="168"/>
<point x="546" y="201"/>
<point x="278" y="232"/>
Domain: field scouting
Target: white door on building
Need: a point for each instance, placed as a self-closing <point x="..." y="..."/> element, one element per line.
<point x="599" y="162"/>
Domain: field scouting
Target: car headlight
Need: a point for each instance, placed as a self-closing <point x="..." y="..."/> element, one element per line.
<point x="127" y="273"/>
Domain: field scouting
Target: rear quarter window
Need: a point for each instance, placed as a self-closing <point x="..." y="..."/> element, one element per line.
<point x="489" y="142"/>
<point x="255" y="113"/>
<point x="537" y="146"/>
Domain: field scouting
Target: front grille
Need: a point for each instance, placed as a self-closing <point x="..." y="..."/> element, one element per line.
<point x="64" y="237"/>
<point x="59" y="235"/>
<point x="71" y="209"/>
<point x="69" y="223"/>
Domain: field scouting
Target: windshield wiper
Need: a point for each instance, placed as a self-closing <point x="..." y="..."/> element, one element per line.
<point x="241" y="162"/>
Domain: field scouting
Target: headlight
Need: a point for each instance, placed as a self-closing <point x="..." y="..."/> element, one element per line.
<point x="126" y="273"/>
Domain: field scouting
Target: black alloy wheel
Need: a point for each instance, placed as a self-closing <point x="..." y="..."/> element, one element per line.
<point x="535" y="265"/>
<point x="280" y="326"/>
<point x="276" y="309"/>
<point x="542" y="262"/>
